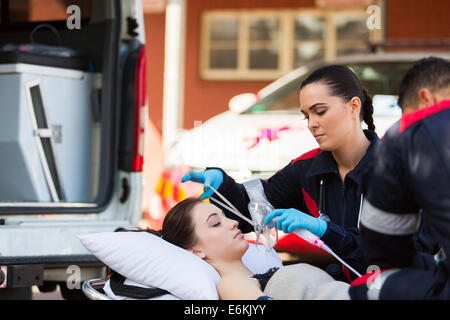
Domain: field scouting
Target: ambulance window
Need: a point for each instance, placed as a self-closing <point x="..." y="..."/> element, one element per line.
<point x="381" y="78"/>
<point x="284" y="100"/>
<point x="382" y="81"/>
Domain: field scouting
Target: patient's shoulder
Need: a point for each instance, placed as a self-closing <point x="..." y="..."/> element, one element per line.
<point x="230" y="281"/>
<point x="237" y="286"/>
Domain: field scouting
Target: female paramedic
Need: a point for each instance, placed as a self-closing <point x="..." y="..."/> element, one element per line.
<point x="318" y="191"/>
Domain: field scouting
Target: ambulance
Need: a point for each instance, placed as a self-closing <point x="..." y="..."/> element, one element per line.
<point x="72" y="125"/>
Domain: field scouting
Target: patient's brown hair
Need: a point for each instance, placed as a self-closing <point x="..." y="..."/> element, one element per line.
<point x="177" y="227"/>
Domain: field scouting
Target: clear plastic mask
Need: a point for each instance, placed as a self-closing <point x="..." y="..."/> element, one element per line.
<point x="267" y="234"/>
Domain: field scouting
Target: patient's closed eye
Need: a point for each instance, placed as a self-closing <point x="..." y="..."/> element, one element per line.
<point x="214" y="219"/>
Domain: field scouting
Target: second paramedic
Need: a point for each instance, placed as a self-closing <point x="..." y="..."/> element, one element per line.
<point x="409" y="182"/>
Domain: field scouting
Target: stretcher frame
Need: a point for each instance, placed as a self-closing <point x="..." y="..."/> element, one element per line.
<point x="91" y="289"/>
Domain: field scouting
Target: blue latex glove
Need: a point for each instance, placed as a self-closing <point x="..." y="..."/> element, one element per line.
<point x="211" y="177"/>
<point x="290" y="219"/>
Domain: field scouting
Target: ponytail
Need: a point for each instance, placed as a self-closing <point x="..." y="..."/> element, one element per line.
<point x="367" y="110"/>
<point x="157" y="233"/>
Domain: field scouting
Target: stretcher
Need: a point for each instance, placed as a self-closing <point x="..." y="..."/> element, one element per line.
<point x="293" y="282"/>
<point x="93" y="289"/>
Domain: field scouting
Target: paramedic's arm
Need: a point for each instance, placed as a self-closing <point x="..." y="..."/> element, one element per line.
<point x="282" y="190"/>
<point x="346" y="243"/>
<point x="390" y="215"/>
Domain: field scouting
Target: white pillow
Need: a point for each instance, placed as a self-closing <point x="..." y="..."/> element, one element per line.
<point x="257" y="259"/>
<point x="146" y="259"/>
<point x="149" y="260"/>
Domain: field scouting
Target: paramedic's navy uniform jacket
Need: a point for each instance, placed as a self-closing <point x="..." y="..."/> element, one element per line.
<point x="409" y="182"/>
<point x="298" y="186"/>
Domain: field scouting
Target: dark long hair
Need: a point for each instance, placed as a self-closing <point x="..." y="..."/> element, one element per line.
<point x="177" y="227"/>
<point x="344" y="83"/>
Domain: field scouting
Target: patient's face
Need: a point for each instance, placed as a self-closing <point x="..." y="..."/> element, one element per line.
<point x="219" y="238"/>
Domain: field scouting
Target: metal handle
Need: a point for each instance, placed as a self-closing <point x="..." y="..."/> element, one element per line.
<point x="90" y="289"/>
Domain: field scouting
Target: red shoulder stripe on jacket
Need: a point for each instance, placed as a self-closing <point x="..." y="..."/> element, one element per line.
<point x="307" y="155"/>
<point x="310" y="204"/>
<point x="413" y="117"/>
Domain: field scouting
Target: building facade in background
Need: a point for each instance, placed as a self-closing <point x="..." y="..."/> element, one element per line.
<point x="236" y="46"/>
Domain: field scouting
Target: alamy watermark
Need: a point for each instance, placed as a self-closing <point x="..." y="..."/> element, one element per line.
<point x="230" y="146"/>
<point x="74" y="20"/>
<point x="373" y="282"/>
<point x="374" y="20"/>
<point x="74" y="279"/>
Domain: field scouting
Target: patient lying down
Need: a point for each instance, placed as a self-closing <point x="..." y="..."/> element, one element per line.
<point x="204" y="230"/>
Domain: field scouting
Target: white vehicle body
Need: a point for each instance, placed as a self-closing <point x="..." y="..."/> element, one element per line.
<point x="250" y="144"/>
<point x="41" y="236"/>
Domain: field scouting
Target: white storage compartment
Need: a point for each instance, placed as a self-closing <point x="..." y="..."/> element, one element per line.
<point x="46" y="134"/>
